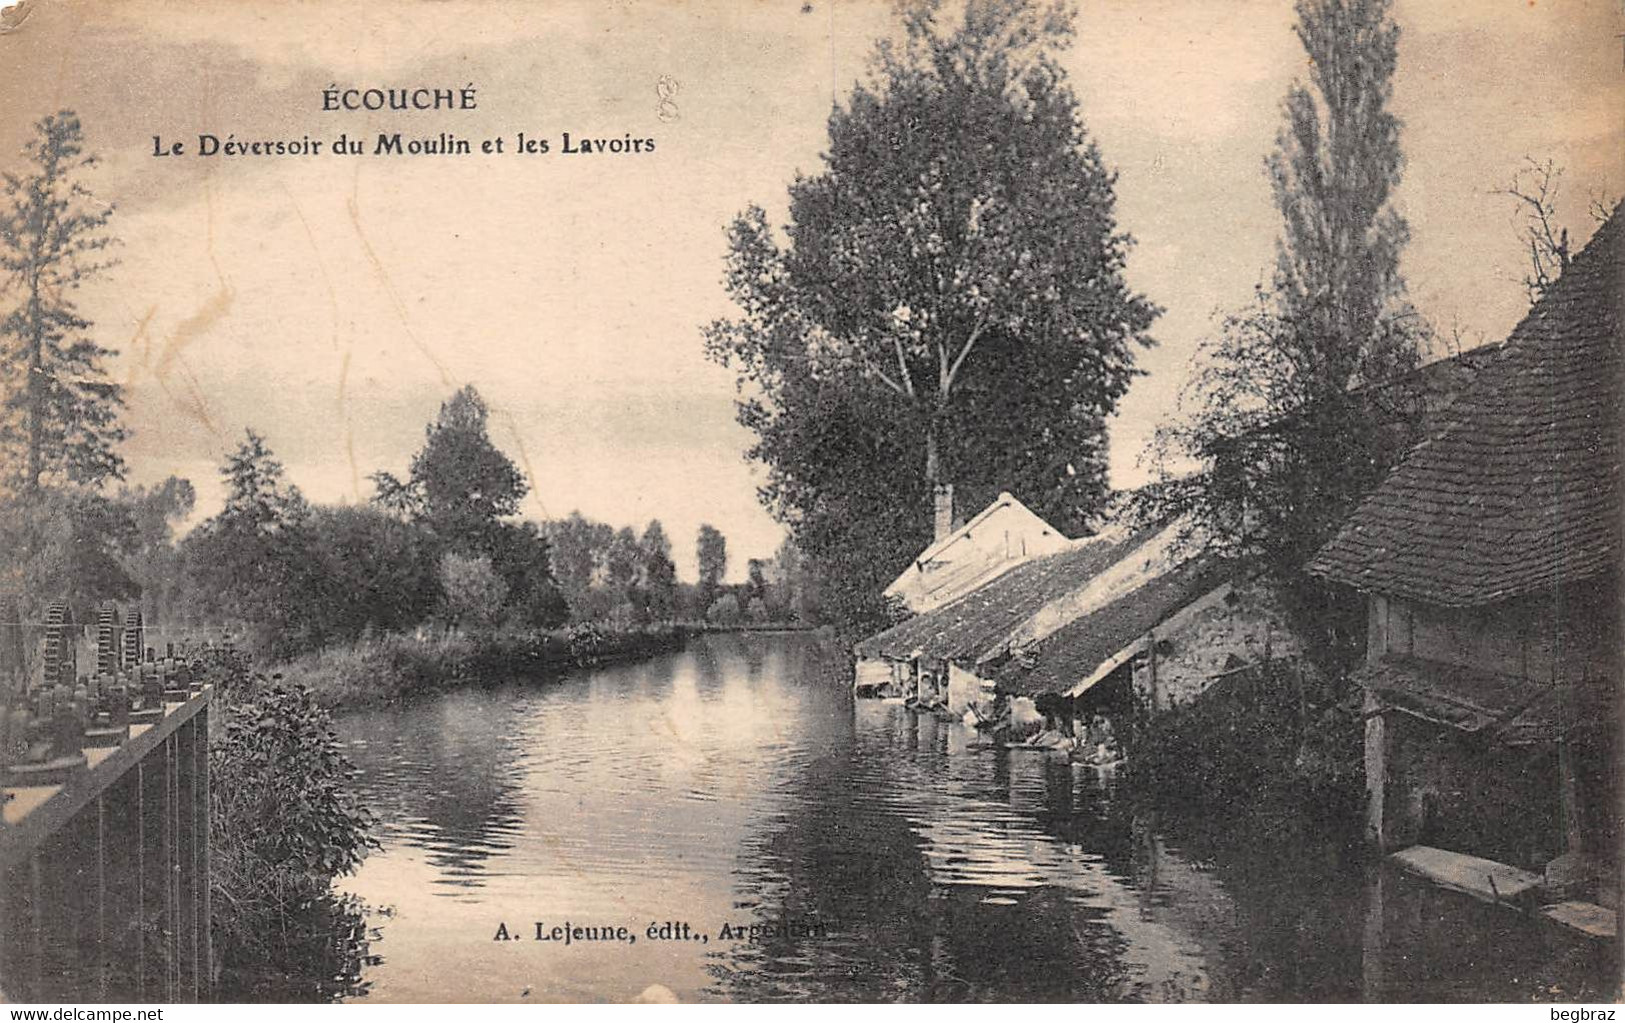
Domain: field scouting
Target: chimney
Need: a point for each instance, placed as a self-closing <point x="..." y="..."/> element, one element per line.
<point x="944" y="518"/>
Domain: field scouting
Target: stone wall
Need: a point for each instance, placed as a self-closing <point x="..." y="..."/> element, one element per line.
<point x="1236" y="625"/>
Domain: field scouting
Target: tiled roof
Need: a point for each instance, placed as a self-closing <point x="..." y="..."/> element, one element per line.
<point x="1519" y="490"/>
<point x="1072" y="653"/>
<point x="964" y="629"/>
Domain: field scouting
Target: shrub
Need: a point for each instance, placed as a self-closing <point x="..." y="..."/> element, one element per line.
<point x="282" y="822"/>
<point x="1276" y="740"/>
<point x="474" y="592"/>
<point x="724" y="610"/>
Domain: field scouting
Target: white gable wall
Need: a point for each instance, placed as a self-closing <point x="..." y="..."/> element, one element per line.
<point x="1002" y="536"/>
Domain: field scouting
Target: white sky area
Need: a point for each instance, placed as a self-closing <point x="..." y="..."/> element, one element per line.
<point x="333" y="303"/>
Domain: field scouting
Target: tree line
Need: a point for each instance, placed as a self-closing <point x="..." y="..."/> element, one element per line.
<point x="441" y="544"/>
<point x="945" y="314"/>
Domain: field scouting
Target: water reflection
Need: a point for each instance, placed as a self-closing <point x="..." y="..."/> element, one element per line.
<point x="892" y="856"/>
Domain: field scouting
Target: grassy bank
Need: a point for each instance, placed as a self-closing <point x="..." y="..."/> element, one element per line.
<point x="394" y="667"/>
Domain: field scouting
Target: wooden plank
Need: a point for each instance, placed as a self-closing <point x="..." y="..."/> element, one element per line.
<point x="1478" y="877"/>
<point x="1592" y="920"/>
<point x="33" y="814"/>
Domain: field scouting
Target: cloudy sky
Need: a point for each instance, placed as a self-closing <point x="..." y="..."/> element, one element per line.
<point x="333" y="303"/>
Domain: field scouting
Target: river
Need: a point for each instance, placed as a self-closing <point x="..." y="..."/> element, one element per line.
<point x="882" y="856"/>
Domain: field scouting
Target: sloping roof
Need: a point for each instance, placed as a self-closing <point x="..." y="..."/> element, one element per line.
<point x="1072" y="653"/>
<point x="964" y="629"/>
<point x="1520" y="488"/>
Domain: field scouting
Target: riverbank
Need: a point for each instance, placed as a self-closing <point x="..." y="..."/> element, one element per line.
<point x="394" y="667"/>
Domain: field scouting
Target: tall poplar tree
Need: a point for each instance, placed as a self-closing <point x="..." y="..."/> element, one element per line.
<point x="1298" y="406"/>
<point x="61" y="424"/>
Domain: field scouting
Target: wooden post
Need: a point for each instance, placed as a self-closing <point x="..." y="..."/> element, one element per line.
<point x="1376" y="730"/>
<point x="36" y="886"/>
<point x="206" y="875"/>
<point x="194" y="866"/>
<point x="1151" y="671"/>
<point x="171" y="917"/>
<point x="1573" y="831"/>
<point x="1376" y="773"/>
<point x="141" y="879"/>
<point x="101" y="897"/>
<point x="1373" y="976"/>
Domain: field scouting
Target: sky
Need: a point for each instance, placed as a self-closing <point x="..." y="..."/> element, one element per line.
<point x="332" y="303"/>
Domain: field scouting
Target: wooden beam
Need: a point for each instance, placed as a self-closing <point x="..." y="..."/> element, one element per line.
<point x="39" y="812"/>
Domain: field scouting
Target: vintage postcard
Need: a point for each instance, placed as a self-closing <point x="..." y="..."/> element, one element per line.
<point x="810" y="500"/>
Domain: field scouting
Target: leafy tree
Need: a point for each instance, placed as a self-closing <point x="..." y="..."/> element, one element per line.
<point x="580" y="549"/>
<point x="62" y="421"/>
<point x="756" y="611"/>
<point x="158" y="509"/>
<point x="756" y="577"/>
<point x="624" y="560"/>
<point x="659" y="572"/>
<point x="524" y="556"/>
<point x="71" y="544"/>
<point x="251" y="562"/>
<point x="711" y="551"/>
<point x="259" y="500"/>
<point x="1298" y="408"/>
<point x="368" y="571"/>
<point x="461" y="488"/>
<point x="154" y="562"/>
<point x="949" y="307"/>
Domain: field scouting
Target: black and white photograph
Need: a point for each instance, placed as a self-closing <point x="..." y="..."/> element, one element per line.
<point x="811" y="501"/>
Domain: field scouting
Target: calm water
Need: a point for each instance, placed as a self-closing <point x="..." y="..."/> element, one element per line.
<point x="738" y="783"/>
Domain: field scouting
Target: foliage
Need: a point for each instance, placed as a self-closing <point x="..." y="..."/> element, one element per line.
<point x="366" y="570"/>
<point x="659" y="573"/>
<point x="523" y="558"/>
<point x="473" y="592"/>
<point x="461" y="489"/>
<point x="459" y="484"/>
<point x="250" y="562"/>
<point x="725" y="610"/>
<point x="1277" y="740"/>
<point x="259" y="500"/>
<point x="283" y="825"/>
<point x="394" y="667"/>
<point x="1299" y="405"/>
<point x="70" y="543"/>
<point x="948" y="310"/>
<point x="153" y="561"/>
<point x="61" y="422"/>
<point x="711" y="554"/>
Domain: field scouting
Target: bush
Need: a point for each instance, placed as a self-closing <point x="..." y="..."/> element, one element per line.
<point x="282" y="823"/>
<point x="474" y="593"/>
<point x="1275" y="740"/>
<point x="724" y="611"/>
